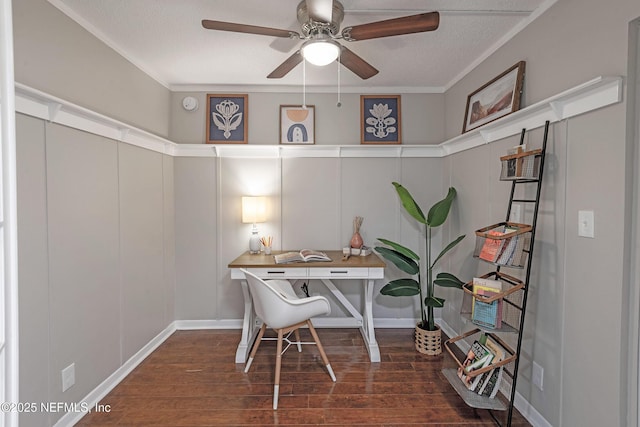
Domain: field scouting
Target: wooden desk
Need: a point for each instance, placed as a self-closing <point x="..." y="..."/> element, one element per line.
<point x="364" y="268"/>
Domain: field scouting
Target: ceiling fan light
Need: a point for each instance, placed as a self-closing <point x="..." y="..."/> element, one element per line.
<point x="320" y="52"/>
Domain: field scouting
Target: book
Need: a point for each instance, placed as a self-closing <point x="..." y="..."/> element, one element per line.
<point x="507" y="253"/>
<point x="492" y="247"/>
<point x="491" y="379"/>
<point x="305" y="255"/>
<point x="484" y="287"/>
<point x="492" y="384"/>
<point x="486" y="314"/>
<point x="483" y="313"/>
<point x="519" y="255"/>
<point x="478" y="357"/>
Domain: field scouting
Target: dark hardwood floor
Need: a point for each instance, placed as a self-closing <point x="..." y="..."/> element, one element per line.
<point x="192" y="380"/>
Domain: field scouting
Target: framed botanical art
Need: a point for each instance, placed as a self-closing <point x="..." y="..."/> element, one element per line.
<point x="297" y="124"/>
<point x="380" y="119"/>
<point x="499" y="97"/>
<point x="227" y="119"/>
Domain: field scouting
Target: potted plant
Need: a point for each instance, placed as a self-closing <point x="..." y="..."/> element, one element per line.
<point x="427" y="332"/>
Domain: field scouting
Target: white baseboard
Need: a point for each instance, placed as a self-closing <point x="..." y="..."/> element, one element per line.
<point x="98" y="393"/>
<point x="186" y="325"/>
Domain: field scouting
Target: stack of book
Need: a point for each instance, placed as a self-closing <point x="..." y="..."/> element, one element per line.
<point x="507" y="251"/>
<point x="483" y="353"/>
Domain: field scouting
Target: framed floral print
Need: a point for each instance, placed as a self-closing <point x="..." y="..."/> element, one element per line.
<point x="297" y="124"/>
<point x="227" y="119"/>
<point x="380" y="119"/>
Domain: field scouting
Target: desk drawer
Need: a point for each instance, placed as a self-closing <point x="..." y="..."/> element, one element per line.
<point x="287" y="273"/>
<point x="337" y="272"/>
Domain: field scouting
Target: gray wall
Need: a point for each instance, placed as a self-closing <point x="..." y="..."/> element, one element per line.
<point x="55" y="55"/>
<point x="96" y="272"/>
<point x="312" y="203"/>
<point x="422" y="118"/>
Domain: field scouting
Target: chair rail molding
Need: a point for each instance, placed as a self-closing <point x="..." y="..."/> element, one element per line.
<point x="594" y="94"/>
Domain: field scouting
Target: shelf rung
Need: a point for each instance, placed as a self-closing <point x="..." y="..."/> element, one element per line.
<point x="524" y="200"/>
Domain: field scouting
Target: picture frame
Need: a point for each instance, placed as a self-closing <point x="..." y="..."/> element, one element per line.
<point x="297" y="124"/>
<point x="227" y="118"/>
<point x="498" y="98"/>
<point x="380" y="119"/>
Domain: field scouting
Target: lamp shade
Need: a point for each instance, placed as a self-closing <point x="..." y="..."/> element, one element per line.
<point x="320" y="52"/>
<point x="254" y="209"/>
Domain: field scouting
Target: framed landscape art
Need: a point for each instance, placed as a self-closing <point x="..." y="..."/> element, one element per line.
<point x="499" y="97"/>
<point x="227" y="121"/>
<point x="380" y="119"/>
<point x="297" y="124"/>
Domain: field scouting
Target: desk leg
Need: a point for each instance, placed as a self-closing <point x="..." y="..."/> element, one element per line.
<point x="248" y="325"/>
<point x="367" y="331"/>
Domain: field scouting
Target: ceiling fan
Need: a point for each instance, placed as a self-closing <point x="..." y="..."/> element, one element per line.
<point x="320" y="28"/>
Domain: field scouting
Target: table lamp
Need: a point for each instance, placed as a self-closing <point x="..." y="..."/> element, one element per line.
<point x="254" y="210"/>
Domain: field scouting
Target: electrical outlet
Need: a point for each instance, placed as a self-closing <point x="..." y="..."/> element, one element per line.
<point x="537" y="375"/>
<point x="68" y="377"/>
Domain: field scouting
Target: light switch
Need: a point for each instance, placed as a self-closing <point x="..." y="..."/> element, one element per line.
<point x="586" y="224"/>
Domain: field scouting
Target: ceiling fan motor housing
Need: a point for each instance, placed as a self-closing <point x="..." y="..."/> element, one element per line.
<point x="310" y="27"/>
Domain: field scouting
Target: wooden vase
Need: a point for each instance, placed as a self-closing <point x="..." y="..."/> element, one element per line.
<point x="428" y="342"/>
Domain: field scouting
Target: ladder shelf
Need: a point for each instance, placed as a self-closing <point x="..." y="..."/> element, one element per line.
<point x="504" y="245"/>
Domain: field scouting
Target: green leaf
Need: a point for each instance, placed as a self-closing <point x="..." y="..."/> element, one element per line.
<point x="438" y="213"/>
<point x="402" y="249"/>
<point x="401" y="288"/>
<point x="409" y="204"/>
<point x="448" y="280"/>
<point x="448" y="248"/>
<point x="434" y="302"/>
<point x="401" y="261"/>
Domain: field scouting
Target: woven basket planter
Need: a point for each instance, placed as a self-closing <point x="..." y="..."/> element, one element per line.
<point x="428" y="342"/>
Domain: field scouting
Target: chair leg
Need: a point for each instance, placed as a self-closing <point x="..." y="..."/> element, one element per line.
<point x="255" y="347"/>
<point x="297" y="334"/>
<point x="276" y="386"/>
<point x="325" y="359"/>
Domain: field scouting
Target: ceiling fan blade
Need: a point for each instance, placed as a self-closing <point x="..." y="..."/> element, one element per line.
<point x="393" y="27"/>
<point x="249" y="29"/>
<point x="320" y="10"/>
<point x="357" y="65"/>
<point x="288" y="65"/>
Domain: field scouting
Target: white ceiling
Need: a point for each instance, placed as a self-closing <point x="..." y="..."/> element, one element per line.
<point x="165" y="39"/>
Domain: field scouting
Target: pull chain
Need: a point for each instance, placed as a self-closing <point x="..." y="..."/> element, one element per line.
<point x="304" y="84"/>
<point x="339" y="104"/>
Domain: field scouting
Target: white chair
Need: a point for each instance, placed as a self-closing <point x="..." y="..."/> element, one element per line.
<point x="276" y="303"/>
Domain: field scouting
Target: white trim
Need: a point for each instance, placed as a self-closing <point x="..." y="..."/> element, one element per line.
<point x="309" y="89"/>
<point x="47" y="107"/>
<point x="320" y="322"/>
<point x="9" y="331"/>
<point x="401" y="323"/>
<point x="594" y="94"/>
<point x="98" y="393"/>
<point x="192" y="325"/>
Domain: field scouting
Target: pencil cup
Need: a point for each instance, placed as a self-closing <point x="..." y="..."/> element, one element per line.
<point x="267" y="250"/>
